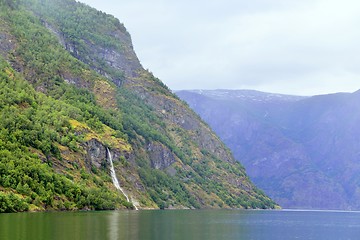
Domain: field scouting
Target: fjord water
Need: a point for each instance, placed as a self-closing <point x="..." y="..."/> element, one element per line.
<point x="181" y="224"/>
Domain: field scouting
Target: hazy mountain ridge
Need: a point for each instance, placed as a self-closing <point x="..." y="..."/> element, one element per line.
<point x="246" y="95"/>
<point x="92" y="95"/>
<point x="301" y="150"/>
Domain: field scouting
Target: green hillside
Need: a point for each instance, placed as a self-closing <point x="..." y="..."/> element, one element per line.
<point x="73" y="91"/>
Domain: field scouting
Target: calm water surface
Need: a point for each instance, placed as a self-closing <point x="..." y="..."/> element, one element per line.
<point x="182" y="224"/>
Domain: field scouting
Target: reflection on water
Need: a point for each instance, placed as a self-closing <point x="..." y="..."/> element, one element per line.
<point x="123" y="225"/>
<point x="184" y="224"/>
<point x="114" y="226"/>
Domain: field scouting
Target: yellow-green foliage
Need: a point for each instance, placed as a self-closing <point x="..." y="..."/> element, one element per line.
<point x="107" y="135"/>
<point x="105" y="94"/>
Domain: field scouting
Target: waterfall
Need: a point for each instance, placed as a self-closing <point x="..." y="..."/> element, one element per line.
<point x="115" y="180"/>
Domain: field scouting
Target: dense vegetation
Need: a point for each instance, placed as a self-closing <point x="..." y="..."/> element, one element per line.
<point x="58" y="92"/>
<point x="33" y="125"/>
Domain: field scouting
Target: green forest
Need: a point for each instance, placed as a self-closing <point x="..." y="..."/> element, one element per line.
<point x="32" y="124"/>
<point x="57" y="94"/>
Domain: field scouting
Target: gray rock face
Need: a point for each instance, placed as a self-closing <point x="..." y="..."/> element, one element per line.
<point x="174" y="113"/>
<point x="160" y="156"/>
<point x="6" y="43"/>
<point x="302" y="151"/>
<point x="124" y="60"/>
<point x="96" y="153"/>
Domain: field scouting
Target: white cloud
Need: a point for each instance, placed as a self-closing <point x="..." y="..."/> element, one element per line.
<point x="301" y="47"/>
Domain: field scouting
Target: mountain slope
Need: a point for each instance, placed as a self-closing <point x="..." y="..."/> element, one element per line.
<point x="100" y="98"/>
<point x="303" y="151"/>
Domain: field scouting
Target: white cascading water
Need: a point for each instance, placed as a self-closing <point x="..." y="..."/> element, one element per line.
<point x="115" y="180"/>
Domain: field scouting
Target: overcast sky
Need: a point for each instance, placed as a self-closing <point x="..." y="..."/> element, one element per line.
<point x="303" y="47"/>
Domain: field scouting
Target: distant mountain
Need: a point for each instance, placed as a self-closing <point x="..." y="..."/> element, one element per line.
<point x="304" y="152"/>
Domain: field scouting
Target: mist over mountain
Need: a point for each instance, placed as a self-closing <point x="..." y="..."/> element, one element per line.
<point x="302" y="151"/>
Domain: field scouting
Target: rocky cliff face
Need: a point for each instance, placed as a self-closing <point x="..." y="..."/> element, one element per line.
<point x="301" y="150"/>
<point x="164" y="155"/>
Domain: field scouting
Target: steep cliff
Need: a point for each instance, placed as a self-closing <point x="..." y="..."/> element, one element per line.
<point x="81" y="61"/>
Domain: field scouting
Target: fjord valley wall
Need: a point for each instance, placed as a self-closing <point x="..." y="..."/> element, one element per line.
<point x="74" y="93"/>
<point x="302" y="151"/>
